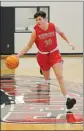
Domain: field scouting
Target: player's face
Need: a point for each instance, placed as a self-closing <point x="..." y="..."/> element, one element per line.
<point x="40" y="20"/>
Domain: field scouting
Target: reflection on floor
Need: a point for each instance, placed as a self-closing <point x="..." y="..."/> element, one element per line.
<point x="24" y="100"/>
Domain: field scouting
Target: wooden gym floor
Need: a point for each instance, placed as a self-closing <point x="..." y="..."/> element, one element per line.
<point x="40" y="108"/>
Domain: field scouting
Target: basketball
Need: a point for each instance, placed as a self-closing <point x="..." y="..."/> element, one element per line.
<point x="12" y="62"/>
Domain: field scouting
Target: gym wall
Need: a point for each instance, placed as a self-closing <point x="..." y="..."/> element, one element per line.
<point x="68" y="16"/>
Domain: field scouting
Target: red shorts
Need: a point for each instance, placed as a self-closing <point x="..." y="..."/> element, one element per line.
<point x="46" y="61"/>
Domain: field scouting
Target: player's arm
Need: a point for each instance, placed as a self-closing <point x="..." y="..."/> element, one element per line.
<point x="61" y="33"/>
<point x="29" y="45"/>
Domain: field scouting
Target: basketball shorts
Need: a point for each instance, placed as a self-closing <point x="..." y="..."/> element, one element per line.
<point x="46" y="61"/>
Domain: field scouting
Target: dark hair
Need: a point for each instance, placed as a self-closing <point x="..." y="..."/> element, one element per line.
<point x="40" y="13"/>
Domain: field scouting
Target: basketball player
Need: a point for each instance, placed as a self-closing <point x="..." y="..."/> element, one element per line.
<point x="44" y="36"/>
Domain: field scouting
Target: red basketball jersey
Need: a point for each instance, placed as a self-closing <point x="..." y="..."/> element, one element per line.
<point x="46" y="40"/>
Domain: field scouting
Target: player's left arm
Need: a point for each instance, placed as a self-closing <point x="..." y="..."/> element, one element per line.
<point x="61" y="33"/>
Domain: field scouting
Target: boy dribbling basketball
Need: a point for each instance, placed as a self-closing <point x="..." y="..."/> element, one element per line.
<point x="44" y="36"/>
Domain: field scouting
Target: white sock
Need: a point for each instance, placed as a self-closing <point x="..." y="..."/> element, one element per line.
<point x="67" y="110"/>
<point x="67" y="96"/>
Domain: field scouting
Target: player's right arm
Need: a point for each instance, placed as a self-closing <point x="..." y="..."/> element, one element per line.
<point x="29" y="45"/>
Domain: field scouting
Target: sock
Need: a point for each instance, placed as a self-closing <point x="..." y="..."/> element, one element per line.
<point x="67" y="110"/>
<point x="67" y="96"/>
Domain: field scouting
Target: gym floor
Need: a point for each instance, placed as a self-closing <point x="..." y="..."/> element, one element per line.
<point x="30" y="106"/>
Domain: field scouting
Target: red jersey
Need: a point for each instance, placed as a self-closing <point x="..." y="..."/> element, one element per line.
<point x="46" y="40"/>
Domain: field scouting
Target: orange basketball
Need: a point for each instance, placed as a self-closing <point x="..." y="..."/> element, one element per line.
<point x="12" y="62"/>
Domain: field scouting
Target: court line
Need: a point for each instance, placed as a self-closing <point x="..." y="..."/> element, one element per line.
<point x="9" y="113"/>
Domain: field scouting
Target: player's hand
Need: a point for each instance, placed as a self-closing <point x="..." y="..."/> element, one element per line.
<point x="72" y="46"/>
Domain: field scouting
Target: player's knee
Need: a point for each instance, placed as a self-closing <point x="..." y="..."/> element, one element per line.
<point x="59" y="77"/>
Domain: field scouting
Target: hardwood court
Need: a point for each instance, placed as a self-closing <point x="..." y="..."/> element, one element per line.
<point x="73" y="68"/>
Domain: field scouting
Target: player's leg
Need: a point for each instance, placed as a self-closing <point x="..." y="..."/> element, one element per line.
<point x="44" y="66"/>
<point x="57" y="64"/>
<point x="58" y="70"/>
<point x="46" y="75"/>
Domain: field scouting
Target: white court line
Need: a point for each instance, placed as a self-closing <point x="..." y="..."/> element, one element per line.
<point x="9" y="113"/>
<point x="49" y="114"/>
<point x="57" y="101"/>
<point x="12" y="107"/>
<point x="59" y="116"/>
<point x="76" y="94"/>
<point x="54" y="109"/>
<point x="3" y="105"/>
<point x="42" y="109"/>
